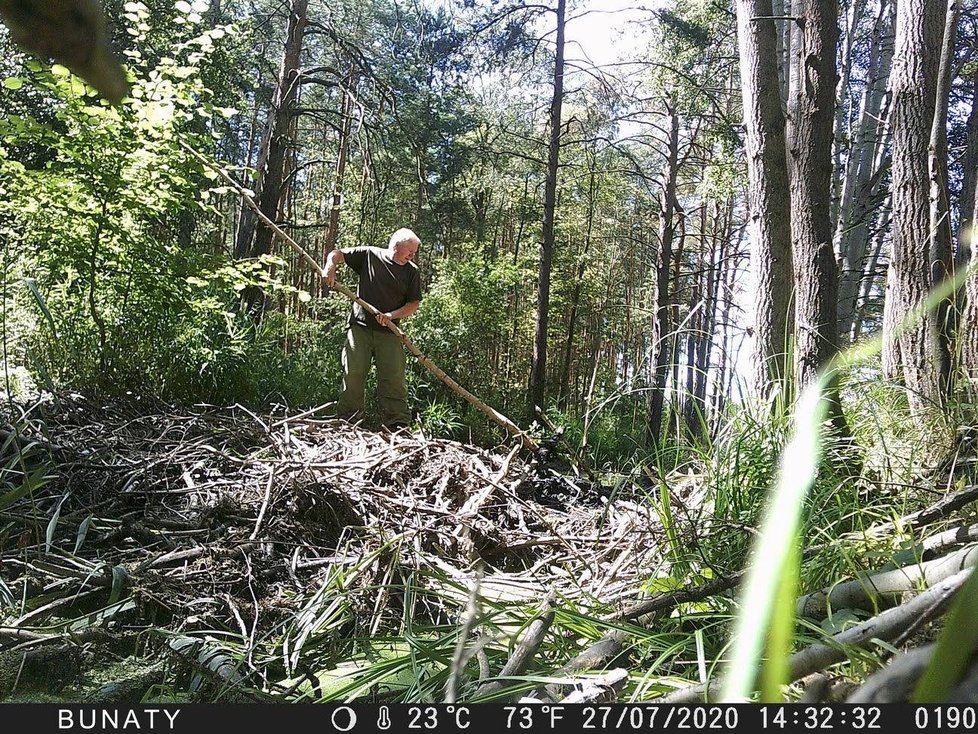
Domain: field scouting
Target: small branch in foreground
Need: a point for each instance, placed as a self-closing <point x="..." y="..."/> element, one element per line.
<point x="527" y="648"/>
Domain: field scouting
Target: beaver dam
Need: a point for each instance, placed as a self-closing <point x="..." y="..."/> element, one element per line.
<point x="217" y="554"/>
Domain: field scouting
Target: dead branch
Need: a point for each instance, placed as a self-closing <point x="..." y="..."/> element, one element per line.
<point x="524" y="652"/>
<point x="885" y="626"/>
<point x="883" y="588"/>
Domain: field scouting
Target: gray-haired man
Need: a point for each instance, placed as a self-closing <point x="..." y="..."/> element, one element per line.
<point x="390" y="282"/>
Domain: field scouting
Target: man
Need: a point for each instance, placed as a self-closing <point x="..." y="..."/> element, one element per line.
<point x="390" y="282"/>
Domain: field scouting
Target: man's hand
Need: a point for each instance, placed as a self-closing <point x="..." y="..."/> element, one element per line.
<point x="383" y="319"/>
<point x="329" y="274"/>
<point x="334" y="258"/>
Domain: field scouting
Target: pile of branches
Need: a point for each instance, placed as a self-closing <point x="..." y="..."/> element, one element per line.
<point x="139" y="529"/>
<point x="137" y="516"/>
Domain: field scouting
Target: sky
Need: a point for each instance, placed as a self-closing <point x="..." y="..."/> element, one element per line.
<point x="605" y="32"/>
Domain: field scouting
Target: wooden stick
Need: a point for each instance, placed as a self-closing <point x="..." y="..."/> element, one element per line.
<point x="523" y="655"/>
<point x="885" y="626"/>
<point x="497" y="417"/>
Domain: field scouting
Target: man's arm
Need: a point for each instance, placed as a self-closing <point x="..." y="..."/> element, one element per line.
<point x="334" y="258"/>
<point x="408" y="309"/>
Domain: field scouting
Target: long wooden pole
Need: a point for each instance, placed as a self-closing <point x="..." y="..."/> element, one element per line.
<point x="497" y="417"/>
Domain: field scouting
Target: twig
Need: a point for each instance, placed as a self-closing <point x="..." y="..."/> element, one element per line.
<point x="264" y="504"/>
<point x="460" y="657"/>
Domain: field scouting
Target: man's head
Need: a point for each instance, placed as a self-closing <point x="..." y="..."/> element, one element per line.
<point x="404" y="245"/>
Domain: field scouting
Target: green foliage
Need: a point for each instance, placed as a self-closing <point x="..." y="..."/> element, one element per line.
<point x="461" y="323"/>
<point x="101" y="229"/>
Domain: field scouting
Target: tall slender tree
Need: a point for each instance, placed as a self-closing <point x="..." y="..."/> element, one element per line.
<point x="767" y="194"/>
<point x="538" y="368"/>
<point x="915" y="348"/>
<point x="862" y="182"/>
<point x="661" y="332"/>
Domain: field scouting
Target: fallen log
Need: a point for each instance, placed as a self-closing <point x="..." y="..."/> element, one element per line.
<point x="869" y="592"/>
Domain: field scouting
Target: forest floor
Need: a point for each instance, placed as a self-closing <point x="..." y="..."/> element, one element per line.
<point x="148" y="529"/>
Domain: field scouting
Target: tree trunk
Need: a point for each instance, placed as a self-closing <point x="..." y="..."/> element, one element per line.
<point x="699" y="419"/>
<point x="864" y="169"/>
<point x="967" y="336"/>
<point x="252" y="241"/>
<point x="810" y="122"/>
<point x="767" y="194"/>
<point x="843" y="111"/>
<point x="538" y="369"/>
<point x="941" y="248"/>
<point x="913" y="88"/>
<point x="565" y="371"/>
<point x="661" y="328"/>
<point x="343" y="147"/>
<point x="969" y="165"/>
<point x="968" y="339"/>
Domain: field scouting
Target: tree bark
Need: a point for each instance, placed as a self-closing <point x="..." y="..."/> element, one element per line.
<point x="914" y="347"/>
<point x="538" y="368"/>
<point x="811" y="112"/>
<point x="767" y="194"/>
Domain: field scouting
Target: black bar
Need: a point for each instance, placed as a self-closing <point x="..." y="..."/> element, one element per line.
<point x="478" y="718"/>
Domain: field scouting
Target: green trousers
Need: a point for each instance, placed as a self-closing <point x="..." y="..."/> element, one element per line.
<point x="362" y="346"/>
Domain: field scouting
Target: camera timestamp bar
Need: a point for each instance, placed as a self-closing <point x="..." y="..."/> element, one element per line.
<point x="478" y="718"/>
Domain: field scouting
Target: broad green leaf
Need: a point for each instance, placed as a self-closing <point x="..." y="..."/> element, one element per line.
<point x="53" y="524"/>
<point x="13" y="83"/>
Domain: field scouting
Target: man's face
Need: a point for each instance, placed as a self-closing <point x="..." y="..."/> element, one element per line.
<point x="404" y="252"/>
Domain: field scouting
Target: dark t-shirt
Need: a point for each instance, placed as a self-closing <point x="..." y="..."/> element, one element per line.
<point x="384" y="284"/>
